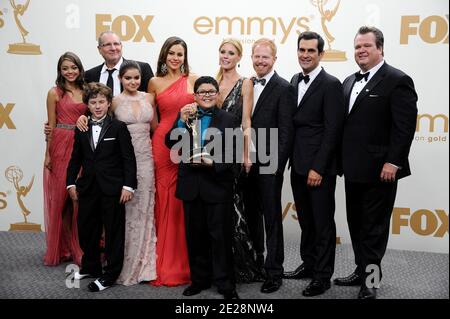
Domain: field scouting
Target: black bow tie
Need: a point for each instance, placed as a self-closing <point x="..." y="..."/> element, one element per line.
<point x="201" y="113"/>
<point x="303" y="78"/>
<point x="360" y="76"/>
<point x="261" y="81"/>
<point x="99" y="123"/>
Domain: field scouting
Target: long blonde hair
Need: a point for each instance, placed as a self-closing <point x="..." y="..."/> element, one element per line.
<point x="237" y="44"/>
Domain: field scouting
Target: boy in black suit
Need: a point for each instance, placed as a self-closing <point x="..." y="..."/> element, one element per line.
<point x="107" y="182"/>
<point x="206" y="189"/>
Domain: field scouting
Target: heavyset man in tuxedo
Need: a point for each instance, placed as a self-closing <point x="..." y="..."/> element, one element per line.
<point x="318" y="123"/>
<point x="273" y="107"/>
<point x="378" y="132"/>
<point x="108" y="179"/>
<point x="110" y="48"/>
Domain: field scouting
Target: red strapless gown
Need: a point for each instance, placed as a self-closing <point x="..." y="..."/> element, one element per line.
<point x="172" y="264"/>
<point x="60" y="214"/>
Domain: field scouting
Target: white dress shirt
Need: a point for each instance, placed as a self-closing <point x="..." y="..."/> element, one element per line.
<point x="258" y="88"/>
<point x="359" y="85"/>
<point x="303" y="87"/>
<point x="115" y="75"/>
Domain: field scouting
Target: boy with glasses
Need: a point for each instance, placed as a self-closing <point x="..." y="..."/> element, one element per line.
<point x="206" y="189"/>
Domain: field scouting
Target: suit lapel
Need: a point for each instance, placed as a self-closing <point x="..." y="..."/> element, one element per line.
<point x="91" y="139"/>
<point x="348" y="85"/>
<point x="266" y="92"/>
<point x="212" y="124"/>
<point x="311" y="88"/>
<point x="369" y="86"/>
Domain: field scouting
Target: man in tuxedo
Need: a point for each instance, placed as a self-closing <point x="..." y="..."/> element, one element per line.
<point x="108" y="179"/>
<point x="318" y="123"/>
<point x="273" y="106"/>
<point x="378" y="132"/>
<point x="206" y="189"/>
<point x="110" y="48"/>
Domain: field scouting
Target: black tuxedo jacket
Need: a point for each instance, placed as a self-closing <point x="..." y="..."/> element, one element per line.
<point x="380" y="126"/>
<point x="274" y="109"/>
<point x="213" y="184"/>
<point x="112" y="163"/>
<point x="93" y="75"/>
<point x="318" y="122"/>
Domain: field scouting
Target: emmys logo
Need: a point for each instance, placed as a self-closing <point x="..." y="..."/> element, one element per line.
<point x="2" y="22"/>
<point x="3" y="202"/>
<point x="432" y="29"/>
<point x="246" y="26"/>
<point x="23" y="47"/>
<point x="15" y="175"/>
<point x="423" y="222"/>
<point x="135" y="28"/>
<point x="326" y="16"/>
<point x="291" y="206"/>
<point x="5" y="117"/>
<point x="430" y="124"/>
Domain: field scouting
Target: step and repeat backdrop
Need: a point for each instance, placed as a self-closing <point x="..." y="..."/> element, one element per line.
<point x="34" y="33"/>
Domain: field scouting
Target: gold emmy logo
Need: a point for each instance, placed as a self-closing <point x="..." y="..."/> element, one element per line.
<point x="14" y="175"/>
<point x="24" y="47"/>
<point x="326" y="16"/>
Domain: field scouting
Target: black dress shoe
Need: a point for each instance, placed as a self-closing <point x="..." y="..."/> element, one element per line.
<point x="299" y="273"/>
<point x="100" y="284"/>
<point x="316" y="287"/>
<point x="271" y="285"/>
<point x="194" y="289"/>
<point x="231" y="295"/>
<point x="353" y="280"/>
<point x="367" y="293"/>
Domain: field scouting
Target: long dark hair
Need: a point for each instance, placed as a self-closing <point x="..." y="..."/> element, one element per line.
<point x="60" y="81"/>
<point x="165" y="52"/>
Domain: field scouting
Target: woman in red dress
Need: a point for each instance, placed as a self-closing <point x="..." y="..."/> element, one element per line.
<point x="172" y="88"/>
<point x="64" y="106"/>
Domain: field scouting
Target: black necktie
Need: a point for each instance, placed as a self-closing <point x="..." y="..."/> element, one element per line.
<point x="110" y="81"/>
<point x="303" y="78"/>
<point x="261" y="81"/>
<point x="99" y="123"/>
<point x="360" y="76"/>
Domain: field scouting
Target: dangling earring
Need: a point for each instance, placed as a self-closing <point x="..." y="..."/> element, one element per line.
<point x="164" y="69"/>
<point x="239" y="65"/>
<point x="182" y="68"/>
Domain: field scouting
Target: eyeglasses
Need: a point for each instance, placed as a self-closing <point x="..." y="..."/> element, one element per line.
<point x="206" y="93"/>
<point x="111" y="44"/>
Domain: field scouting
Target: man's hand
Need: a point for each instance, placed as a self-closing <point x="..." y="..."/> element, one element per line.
<point x="125" y="196"/>
<point x="388" y="173"/>
<point x="73" y="193"/>
<point x="314" y="178"/>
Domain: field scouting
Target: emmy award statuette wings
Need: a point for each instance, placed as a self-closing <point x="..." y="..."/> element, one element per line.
<point x="24" y="47"/>
<point x="14" y="175"/>
<point x="326" y="16"/>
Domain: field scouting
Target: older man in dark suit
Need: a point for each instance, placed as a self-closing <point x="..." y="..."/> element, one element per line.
<point x="378" y="132"/>
<point x="318" y="123"/>
<point x="110" y="48"/>
<point x="273" y="108"/>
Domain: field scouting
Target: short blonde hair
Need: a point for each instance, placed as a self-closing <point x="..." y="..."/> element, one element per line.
<point x="267" y="42"/>
<point x="237" y="44"/>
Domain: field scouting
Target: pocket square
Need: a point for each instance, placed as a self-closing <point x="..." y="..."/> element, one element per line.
<point x="373" y="95"/>
<point x="109" y="139"/>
